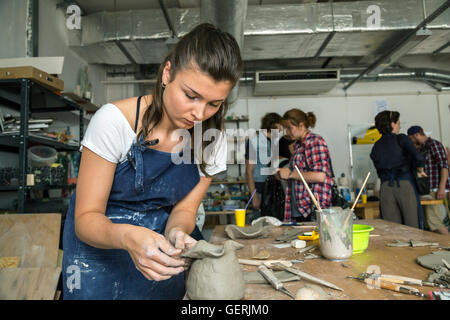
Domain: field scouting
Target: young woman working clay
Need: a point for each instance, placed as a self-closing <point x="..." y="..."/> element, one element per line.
<point x="134" y="208"/>
<point x="312" y="158"/>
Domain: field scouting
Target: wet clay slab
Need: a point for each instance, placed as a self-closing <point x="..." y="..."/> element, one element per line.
<point x="258" y="230"/>
<point x="434" y="260"/>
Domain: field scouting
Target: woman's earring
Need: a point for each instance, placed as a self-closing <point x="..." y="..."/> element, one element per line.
<point x="163" y="85"/>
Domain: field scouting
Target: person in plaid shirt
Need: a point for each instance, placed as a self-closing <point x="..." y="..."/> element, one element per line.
<point x="436" y="168"/>
<point x="312" y="157"/>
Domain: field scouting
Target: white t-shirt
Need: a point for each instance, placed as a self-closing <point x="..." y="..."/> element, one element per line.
<point x="110" y="136"/>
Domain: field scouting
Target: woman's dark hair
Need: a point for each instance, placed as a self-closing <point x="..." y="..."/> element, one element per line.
<point x="384" y="119"/>
<point x="284" y="144"/>
<point x="211" y="51"/>
<point x="296" y="116"/>
<point x="270" y="120"/>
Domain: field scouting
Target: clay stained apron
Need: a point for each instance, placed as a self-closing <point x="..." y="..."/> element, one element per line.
<point x="143" y="193"/>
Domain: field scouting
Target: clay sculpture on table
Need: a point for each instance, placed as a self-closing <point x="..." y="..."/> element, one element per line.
<point x="215" y="273"/>
<point x="258" y="230"/>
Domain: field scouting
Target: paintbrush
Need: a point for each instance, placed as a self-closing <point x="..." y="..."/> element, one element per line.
<point x="312" y="197"/>
<point x="356" y="201"/>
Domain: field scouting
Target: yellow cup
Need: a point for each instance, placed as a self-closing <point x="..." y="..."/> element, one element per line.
<point x="364" y="198"/>
<point x="239" y="214"/>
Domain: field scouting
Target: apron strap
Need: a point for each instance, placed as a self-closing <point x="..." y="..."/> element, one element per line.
<point x="137" y="113"/>
<point x="136" y="153"/>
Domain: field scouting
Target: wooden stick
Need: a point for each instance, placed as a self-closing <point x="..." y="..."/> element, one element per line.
<point x="313" y="198"/>
<point x="309" y="190"/>
<point x="354" y="204"/>
<point x="360" y="191"/>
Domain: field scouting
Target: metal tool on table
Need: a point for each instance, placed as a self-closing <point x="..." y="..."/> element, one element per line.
<point x="308" y="277"/>
<point x="398" y="279"/>
<point x="274" y="281"/>
<point x="308" y="249"/>
<point x="383" y="284"/>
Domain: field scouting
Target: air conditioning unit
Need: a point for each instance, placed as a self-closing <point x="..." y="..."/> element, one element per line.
<point x="295" y="82"/>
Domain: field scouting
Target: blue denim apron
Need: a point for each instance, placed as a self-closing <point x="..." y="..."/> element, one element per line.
<point x="144" y="191"/>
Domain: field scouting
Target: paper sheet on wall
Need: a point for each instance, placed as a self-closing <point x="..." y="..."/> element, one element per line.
<point x="380" y="105"/>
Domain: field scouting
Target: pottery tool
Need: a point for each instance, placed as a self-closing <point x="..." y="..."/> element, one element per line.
<point x="355" y="202"/>
<point x="250" y="199"/>
<point x="398" y="279"/>
<point x="360" y="191"/>
<point x="312" y="196"/>
<point x="274" y="281"/>
<point x="309" y="248"/>
<point x="252" y="262"/>
<point x="378" y="283"/>
<point x="309" y="277"/>
<point x="309" y="190"/>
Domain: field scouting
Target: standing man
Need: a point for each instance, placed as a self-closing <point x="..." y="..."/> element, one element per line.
<point x="436" y="167"/>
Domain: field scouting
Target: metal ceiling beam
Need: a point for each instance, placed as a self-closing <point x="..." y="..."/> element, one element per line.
<point x="329" y="37"/>
<point x="166" y="16"/>
<point x="441" y="48"/>
<point x="229" y="16"/>
<point x="324" y="44"/>
<point x="402" y="42"/>
<point x="138" y="74"/>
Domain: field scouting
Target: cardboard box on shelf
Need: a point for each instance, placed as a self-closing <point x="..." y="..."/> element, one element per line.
<point x="43" y="78"/>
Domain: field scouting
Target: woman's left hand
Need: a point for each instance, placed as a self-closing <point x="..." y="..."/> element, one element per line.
<point x="180" y="240"/>
<point x="284" y="173"/>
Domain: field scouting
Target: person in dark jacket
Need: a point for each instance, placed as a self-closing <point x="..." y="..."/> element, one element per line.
<point x="392" y="156"/>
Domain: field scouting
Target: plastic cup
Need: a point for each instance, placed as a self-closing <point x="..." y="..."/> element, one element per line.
<point x="364" y="198"/>
<point x="239" y="214"/>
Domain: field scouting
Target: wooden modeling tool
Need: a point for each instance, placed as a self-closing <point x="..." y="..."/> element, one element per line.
<point x="312" y="197"/>
<point x="356" y="201"/>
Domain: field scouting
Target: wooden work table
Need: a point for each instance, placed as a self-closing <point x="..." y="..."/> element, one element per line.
<point x="390" y="260"/>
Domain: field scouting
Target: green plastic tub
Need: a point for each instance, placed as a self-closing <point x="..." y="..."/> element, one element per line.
<point x="361" y="237"/>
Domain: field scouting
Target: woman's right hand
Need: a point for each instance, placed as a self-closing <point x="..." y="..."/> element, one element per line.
<point x="152" y="253"/>
<point x="421" y="173"/>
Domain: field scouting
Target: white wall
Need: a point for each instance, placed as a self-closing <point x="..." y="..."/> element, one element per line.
<point x="336" y="111"/>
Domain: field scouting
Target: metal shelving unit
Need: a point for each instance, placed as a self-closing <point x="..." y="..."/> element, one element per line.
<point x="28" y="97"/>
<point x="229" y="212"/>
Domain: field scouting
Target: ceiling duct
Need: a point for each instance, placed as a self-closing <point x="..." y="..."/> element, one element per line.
<point x="295" y="82"/>
<point x="418" y="74"/>
<point x="269" y="31"/>
<point x="229" y="16"/>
